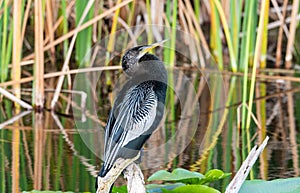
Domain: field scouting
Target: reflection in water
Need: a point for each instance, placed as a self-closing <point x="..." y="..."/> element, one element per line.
<point x="39" y="149"/>
<point x="14" y="119"/>
<point x="50" y="151"/>
<point x="292" y="128"/>
<point x="16" y="155"/>
<point x="84" y="161"/>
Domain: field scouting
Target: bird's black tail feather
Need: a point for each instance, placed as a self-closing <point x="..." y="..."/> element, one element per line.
<point x="102" y="173"/>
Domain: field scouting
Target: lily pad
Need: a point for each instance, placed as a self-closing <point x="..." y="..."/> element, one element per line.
<point x="214" y="175"/>
<point x="157" y="188"/>
<point x="178" y="175"/>
<point x="192" y="189"/>
<point x="290" y="185"/>
<point x="46" y="191"/>
<point x="120" y="189"/>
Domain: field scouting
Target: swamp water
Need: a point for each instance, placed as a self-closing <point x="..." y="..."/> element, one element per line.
<point x="62" y="150"/>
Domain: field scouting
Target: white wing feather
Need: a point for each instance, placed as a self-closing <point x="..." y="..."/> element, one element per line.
<point x="136" y="114"/>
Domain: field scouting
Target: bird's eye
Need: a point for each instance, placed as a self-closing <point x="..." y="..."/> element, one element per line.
<point x="125" y="66"/>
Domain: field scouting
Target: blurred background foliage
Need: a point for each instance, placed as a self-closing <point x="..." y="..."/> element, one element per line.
<point x="255" y="45"/>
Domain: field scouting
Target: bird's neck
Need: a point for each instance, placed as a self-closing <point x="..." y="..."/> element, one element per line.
<point x="152" y="66"/>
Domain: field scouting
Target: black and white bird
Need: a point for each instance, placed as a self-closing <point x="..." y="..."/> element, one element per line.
<point x="138" y="107"/>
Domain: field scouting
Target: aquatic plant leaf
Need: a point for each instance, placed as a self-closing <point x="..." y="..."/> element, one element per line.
<point x="192" y="189"/>
<point x="119" y="189"/>
<point x="157" y="188"/>
<point x="213" y="175"/>
<point x="179" y="175"/>
<point x="46" y="191"/>
<point x="289" y="185"/>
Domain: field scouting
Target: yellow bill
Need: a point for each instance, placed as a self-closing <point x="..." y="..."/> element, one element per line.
<point x="150" y="47"/>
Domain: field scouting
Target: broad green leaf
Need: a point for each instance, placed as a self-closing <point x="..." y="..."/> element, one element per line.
<point x="290" y="185"/>
<point x="213" y="175"/>
<point x="179" y="175"/>
<point x="46" y="191"/>
<point x="192" y="189"/>
<point x="157" y="188"/>
<point x="120" y="189"/>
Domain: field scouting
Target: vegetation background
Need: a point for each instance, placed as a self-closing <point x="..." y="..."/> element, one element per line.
<point x="43" y="43"/>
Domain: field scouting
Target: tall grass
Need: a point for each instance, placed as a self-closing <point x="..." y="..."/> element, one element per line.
<point x="5" y="40"/>
<point x="262" y="91"/>
<point x="262" y="23"/>
<point x="280" y="35"/>
<point x="64" y="25"/>
<point x="169" y="59"/>
<point x="38" y="94"/>
<point x="16" y="75"/>
<point x="215" y="30"/>
<point x="84" y="38"/>
<point x="292" y="33"/>
<point x="233" y="61"/>
<point x="245" y="63"/>
<point x="238" y="14"/>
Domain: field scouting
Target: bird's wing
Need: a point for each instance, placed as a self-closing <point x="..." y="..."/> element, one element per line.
<point x="129" y="124"/>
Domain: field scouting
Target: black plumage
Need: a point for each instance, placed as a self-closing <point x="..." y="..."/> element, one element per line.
<point x="138" y="107"/>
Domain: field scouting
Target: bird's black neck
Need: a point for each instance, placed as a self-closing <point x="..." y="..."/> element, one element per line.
<point x="152" y="66"/>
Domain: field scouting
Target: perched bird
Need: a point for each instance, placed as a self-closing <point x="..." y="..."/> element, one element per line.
<point x="138" y="107"/>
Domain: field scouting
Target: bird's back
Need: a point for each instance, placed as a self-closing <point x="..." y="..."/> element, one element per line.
<point x="137" y="112"/>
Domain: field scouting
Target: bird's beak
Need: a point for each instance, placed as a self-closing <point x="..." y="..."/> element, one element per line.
<point x="150" y="47"/>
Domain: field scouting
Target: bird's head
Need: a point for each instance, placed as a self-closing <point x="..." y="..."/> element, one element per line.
<point x="131" y="58"/>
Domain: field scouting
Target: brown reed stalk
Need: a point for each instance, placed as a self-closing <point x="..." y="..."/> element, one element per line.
<point x="71" y="33"/>
<point x="196" y="23"/>
<point x="25" y="18"/>
<point x="280" y="35"/>
<point x="50" y="29"/>
<point x="83" y="70"/>
<point x="291" y="38"/>
<point x="38" y="91"/>
<point x="16" y="76"/>
<point x="68" y="56"/>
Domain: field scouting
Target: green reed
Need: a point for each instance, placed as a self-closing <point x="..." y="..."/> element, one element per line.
<point x="233" y="61"/>
<point x="235" y="24"/>
<point x="2" y="159"/>
<point x="245" y="64"/>
<point x="215" y="40"/>
<point x="259" y="43"/>
<point x="5" y="40"/>
<point x="170" y="60"/>
<point x="64" y="26"/>
<point x="84" y="38"/>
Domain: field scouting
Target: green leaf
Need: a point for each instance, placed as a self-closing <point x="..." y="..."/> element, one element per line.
<point x="156" y="188"/>
<point x="179" y="175"/>
<point x="37" y="191"/>
<point x="120" y="189"/>
<point x="290" y="185"/>
<point x="192" y="189"/>
<point x="213" y="175"/>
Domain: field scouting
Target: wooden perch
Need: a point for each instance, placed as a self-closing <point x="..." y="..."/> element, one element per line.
<point x="238" y="180"/>
<point x="105" y="183"/>
<point x="135" y="179"/>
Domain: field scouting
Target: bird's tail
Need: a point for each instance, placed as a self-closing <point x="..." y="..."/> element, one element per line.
<point x="102" y="173"/>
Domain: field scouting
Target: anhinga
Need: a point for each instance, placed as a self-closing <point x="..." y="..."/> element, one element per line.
<point x="138" y="107"/>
